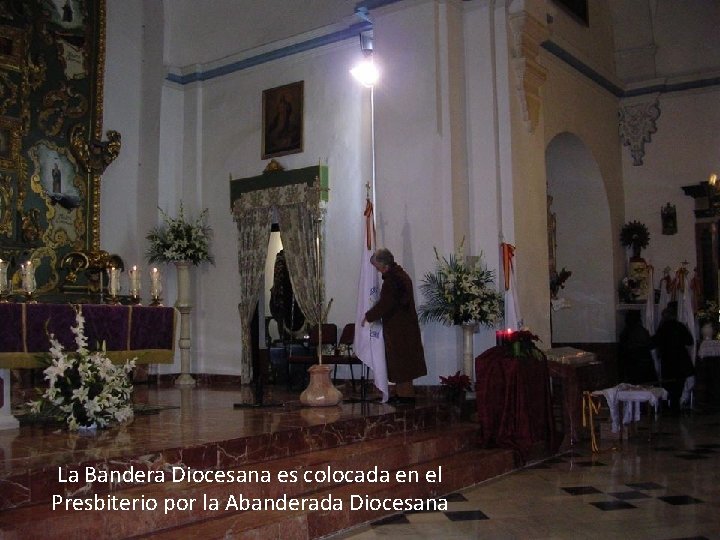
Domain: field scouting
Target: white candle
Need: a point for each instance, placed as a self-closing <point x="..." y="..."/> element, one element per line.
<point x="134" y="276"/>
<point x="156" y="283"/>
<point x="3" y="276"/>
<point x="28" y="277"/>
<point x="114" y="284"/>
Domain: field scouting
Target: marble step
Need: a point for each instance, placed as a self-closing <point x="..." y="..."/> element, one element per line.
<point x="33" y="480"/>
<point x="396" y="452"/>
<point x="459" y="471"/>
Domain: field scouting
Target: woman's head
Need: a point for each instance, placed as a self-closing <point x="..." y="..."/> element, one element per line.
<point x="382" y="260"/>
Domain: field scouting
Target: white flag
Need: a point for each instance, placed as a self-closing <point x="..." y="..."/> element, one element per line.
<point x="369" y="344"/>
<point x="513" y="320"/>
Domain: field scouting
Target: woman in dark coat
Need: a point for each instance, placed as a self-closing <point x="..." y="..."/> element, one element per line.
<point x="636" y="351"/>
<point x="672" y="340"/>
<point x="404" y="351"/>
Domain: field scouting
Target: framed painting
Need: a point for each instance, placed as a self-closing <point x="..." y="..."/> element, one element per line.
<point x="282" y="120"/>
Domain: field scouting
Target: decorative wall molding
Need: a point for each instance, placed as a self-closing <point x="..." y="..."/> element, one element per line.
<point x="637" y="123"/>
<point x="527" y="36"/>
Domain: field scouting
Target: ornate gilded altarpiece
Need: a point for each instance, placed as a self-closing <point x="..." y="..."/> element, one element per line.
<point x="51" y="158"/>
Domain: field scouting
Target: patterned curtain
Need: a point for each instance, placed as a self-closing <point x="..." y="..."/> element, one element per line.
<point x="299" y="232"/>
<point x="253" y="236"/>
<point x="298" y="206"/>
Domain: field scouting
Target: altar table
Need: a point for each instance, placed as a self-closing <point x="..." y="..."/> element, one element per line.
<point x="572" y="372"/>
<point x="624" y="402"/>
<point x="142" y="332"/>
<point x="707" y="370"/>
<point x="514" y="403"/>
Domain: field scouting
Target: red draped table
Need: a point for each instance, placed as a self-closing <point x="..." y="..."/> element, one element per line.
<point x="514" y="403"/>
<point x="126" y="331"/>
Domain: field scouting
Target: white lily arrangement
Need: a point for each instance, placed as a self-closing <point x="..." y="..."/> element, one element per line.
<point x="461" y="290"/>
<point x="180" y="239"/>
<point x="85" y="388"/>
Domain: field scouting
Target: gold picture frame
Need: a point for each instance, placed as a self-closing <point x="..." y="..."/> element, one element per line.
<point x="9" y="143"/>
<point x="12" y="47"/>
<point x="7" y="205"/>
<point x="282" y="120"/>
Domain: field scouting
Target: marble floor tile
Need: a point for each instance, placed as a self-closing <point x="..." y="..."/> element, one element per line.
<point x="660" y="487"/>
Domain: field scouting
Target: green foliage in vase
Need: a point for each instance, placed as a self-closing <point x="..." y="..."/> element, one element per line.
<point x="180" y="239"/>
<point x="460" y="292"/>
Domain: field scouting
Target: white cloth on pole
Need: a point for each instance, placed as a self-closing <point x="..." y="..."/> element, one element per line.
<point x="686" y="313"/>
<point x="512" y="311"/>
<point x="369" y="344"/>
<point x="513" y="319"/>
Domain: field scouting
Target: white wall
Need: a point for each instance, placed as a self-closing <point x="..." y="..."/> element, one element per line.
<point x="445" y="128"/>
<point x="684" y="151"/>
<point x="584" y="243"/>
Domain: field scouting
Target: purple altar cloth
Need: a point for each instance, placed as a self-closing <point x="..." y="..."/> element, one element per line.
<point x="127" y="331"/>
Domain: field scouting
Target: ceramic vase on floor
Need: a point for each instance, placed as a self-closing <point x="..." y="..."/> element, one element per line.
<point x="320" y="391"/>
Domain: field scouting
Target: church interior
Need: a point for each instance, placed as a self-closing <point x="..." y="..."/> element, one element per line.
<point x="567" y="150"/>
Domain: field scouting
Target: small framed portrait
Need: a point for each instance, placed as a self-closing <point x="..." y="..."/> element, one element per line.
<point x="12" y="45"/>
<point x="9" y="143"/>
<point x="282" y="120"/>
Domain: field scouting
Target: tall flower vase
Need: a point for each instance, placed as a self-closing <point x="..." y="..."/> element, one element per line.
<point x="320" y="392"/>
<point x="468" y="356"/>
<point x="184" y="306"/>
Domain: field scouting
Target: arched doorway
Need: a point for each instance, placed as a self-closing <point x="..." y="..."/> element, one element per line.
<point x="585" y="309"/>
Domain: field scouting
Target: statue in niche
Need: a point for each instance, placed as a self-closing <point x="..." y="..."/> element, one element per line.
<point x="283" y="307"/>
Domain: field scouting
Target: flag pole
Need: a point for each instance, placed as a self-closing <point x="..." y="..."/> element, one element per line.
<point x="372" y="146"/>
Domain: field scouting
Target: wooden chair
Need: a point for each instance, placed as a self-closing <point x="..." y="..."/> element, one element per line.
<point x="348" y="358"/>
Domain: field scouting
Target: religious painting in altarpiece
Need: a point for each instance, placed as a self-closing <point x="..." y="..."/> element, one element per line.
<point x="51" y="71"/>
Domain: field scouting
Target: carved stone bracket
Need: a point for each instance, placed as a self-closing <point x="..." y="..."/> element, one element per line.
<point x="637" y="124"/>
<point x="94" y="155"/>
<point x="527" y="33"/>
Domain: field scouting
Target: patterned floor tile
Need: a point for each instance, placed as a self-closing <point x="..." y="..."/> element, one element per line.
<point x="645" y="486"/>
<point x="581" y="490"/>
<point x="629" y="495"/>
<point x="680" y="499"/>
<point x="613" y="505"/>
<point x="465" y="515"/>
<point x="562" y="498"/>
<point x="391" y="520"/>
<point x="454" y="497"/>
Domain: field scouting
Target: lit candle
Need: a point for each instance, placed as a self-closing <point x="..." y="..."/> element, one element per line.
<point x="134" y="281"/>
<point x="156" y="287"/>
<point x="114" y="284"/>
<point x="503" y="336"/>
<point x="3" y="276"/>
<point x="27" y="271"/>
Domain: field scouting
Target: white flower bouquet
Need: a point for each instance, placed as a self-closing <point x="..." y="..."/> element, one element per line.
<point x="84" y="388"/>
<point x="461" y="291"/>
<point x="178" y="239"/>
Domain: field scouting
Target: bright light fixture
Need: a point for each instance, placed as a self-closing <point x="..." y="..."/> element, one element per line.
<point x="366" y="73"/>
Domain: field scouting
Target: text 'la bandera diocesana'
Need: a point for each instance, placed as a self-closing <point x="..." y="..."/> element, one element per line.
<point x="131" y="475"/>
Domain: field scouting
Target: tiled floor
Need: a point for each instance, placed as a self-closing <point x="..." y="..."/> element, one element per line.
<point x="666" y="486"/>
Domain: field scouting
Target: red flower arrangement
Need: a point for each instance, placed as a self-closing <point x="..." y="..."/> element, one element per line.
<point x="521" y="344"/>
<point x="458" y="382"/>
<point x="520" y="336"/>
